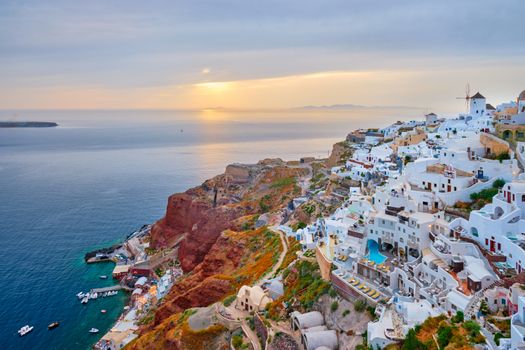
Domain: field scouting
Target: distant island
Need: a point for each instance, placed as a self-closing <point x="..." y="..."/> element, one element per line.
<point x="28" y="124"/>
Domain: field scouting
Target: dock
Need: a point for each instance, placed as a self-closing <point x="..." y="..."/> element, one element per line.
<point x="106" y="289"/>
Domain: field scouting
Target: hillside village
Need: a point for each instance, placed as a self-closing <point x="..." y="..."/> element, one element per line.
<point x="432" y="225"/>
<point x="406" y="237"/>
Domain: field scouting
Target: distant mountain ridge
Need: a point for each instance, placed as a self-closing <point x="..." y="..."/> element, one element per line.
<point x="347" y="107"/>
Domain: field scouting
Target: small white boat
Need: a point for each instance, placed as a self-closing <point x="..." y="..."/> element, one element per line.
<point x="85" y="300"/>
<point x="80" y="295"/>
<point x="94" y="295"/>
<point x="103" y="311"/>
<point x="93" y="330"/>
<point x="24" y="330"/>
<point x="105" y="294"/>
<point x="103" y="277"/>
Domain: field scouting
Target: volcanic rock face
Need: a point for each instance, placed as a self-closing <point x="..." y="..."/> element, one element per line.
<point x="214" y="226"/>
<point x="196" y="222"/>
<point x="204" y="286"/>
<point x="196" y="217"/>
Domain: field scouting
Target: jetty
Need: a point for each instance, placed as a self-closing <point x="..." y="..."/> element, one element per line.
<point x="109" y="289"/>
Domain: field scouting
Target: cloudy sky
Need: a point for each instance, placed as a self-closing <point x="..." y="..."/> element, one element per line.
<point x="258" y="54"/>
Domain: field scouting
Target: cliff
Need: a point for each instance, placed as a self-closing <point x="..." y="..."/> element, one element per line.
<point x="196" y="218"/>
<point x="235" y="259"/>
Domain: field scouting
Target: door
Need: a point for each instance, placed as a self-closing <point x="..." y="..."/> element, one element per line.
<point x="492" y="246"/>
<point x="449" y="188"/>
<point x="508" y="196"/>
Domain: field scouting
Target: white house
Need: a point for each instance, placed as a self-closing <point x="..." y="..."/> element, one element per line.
<point x="252" y="299"/>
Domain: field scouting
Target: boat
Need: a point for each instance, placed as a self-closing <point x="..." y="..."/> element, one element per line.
<point x="93" y="330"/>
<point x="103" y="277"/>
<point x="80" y="295"/>
<point x="105" y="294"/>
<point x="85" y="300"/>
<point x="103" y="311"/>
<point x="94" y="295"/>
<point x="24" y="330"/>
<point x="53" y="325"/>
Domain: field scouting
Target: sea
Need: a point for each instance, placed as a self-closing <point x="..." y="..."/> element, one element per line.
<point x="100" y="175"/>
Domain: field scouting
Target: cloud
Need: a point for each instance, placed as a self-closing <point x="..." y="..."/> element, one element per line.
<point x="140" y="46"/>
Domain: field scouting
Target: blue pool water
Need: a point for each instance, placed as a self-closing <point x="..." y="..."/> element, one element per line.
<point x="373" y="252"/>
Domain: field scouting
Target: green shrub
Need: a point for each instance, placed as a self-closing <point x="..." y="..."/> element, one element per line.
<point x="332" y="292"/>
<point x="472" y="327"/>
<point x="237" y="341"/>
<point x="503" y="156"/>
<point x="497" y="337"/>
<point x="283" y="182"/>
<point x="485" y="194"/>
<point x="346" y="313"/>
<point x="458" y="317"/>
<point x="229" y="300"/>
<point x="498" y="183"/>
<point x="411" y="342"/>
<point x="444" y="334"/>
<point x="334" y="306"/>
<point x="360" y="305"/>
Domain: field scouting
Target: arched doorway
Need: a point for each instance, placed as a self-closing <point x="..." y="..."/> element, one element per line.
<point x="507" y="135"/>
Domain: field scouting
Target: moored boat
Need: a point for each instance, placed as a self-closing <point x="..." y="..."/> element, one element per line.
<point x="24" y="330"/>
<point x="93" y="330"/>
<point x="103" y="277"/>
<point x="53" y="325"/>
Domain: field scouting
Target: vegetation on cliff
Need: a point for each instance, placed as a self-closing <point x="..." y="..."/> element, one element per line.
<point x="176" y="333"/>
<point x="236" y="259"/>
<point x="303" y="286"/>
<point x="441" y="333"/>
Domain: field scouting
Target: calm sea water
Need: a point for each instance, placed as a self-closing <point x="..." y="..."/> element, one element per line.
<point x="101" y="175"/>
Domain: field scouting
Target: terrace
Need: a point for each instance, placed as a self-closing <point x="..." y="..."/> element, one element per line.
<point x="359" y="287"/>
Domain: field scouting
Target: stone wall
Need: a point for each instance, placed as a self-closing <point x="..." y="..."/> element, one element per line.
<point x="492" y="144"/>
<point x="325" y="265"/>
<point x="260" y="328"/>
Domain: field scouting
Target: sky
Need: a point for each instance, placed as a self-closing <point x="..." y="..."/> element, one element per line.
<point x="245" y="54"/>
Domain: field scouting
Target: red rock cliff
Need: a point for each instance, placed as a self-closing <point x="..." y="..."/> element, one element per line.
<point x="197" y="217"/>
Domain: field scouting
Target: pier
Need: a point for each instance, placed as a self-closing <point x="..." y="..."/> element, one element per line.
<point x="109" y="289"/>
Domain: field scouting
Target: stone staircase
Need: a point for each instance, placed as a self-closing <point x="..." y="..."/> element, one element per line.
<point x="475" y="303"/>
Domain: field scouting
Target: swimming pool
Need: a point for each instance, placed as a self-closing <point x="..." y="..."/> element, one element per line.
<point x="373" y="252"/>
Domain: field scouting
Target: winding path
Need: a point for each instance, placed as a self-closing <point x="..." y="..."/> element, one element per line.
<point x="251" y="335"/>
<point x="281" y="257"/>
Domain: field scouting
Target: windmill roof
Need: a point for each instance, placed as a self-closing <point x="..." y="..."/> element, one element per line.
<point x="477" y="95"/>
<point x="490" y="107"/>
